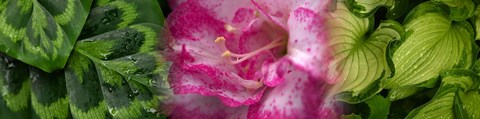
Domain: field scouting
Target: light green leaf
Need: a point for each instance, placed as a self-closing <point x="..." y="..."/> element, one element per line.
<point x="434" y="43"/>
<point x="442" y="104"/>
<point x="41" y="33"/>
<point x="360" y="54"/>
<point x="469" y="104"/>
<point x="400" y="93"/>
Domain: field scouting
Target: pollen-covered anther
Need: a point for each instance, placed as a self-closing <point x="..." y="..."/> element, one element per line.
<point x="256" y="13"/>
<point x="226" y="54"/>
<point x="229" y="28"/>
<point x="220" y="39"/>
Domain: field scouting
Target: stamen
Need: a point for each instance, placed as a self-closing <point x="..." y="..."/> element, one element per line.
<point x="230" y="28"/>
<point x="256" y="13"/>
<point x="220" y="39"/>
<point x="226" y="54"/>
<point x="238" y="58"/>
<point x="250" y="85"/>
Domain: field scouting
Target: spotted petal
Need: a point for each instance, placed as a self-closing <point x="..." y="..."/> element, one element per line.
<point x="195" y="106"/>
<point x="197" y="63"/>
<point x="280" y="11"/>
<point x="307" y="45"/>
<point x="300" y="96"/>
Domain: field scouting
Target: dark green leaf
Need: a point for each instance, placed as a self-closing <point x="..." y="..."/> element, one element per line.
<point x="366" y="8"/>
<point x="41" y="33"/>
<point x="114" y="73"/>
<point x="379" y="107"/>
<point x="460" y="10"/>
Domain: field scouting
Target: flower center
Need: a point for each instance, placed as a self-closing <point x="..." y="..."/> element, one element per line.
<point x="235" y="58"/>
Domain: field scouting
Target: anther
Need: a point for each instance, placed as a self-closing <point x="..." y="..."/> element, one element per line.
<point x="230" y="28"/>
<point x="220" y="39"/>
<point x="256" y="13"/>
<point x="226" y="54"/>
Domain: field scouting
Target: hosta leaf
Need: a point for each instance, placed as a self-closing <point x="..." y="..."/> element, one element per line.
<point x="459" y="9"/>
<point x="41" y="33"/>
<point x="366" y="8"/>
<point x="476" y="22"/>
<point x="360" y="53"/>
<point x="468" y="105"/>
<point x="379" y="107"/>
<point x="434" y="43"/>
<point x="442" y="104"/>
<point x="351" y="116"/>
<point x="400" y="93"/>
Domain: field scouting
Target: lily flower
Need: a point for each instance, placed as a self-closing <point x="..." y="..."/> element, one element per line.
<point x="249" y="59"/>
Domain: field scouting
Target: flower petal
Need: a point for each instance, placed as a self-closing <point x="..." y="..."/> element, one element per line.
<point x="205" y="107"/>
<point x="308" y="43"/>
<point x="279" y="11"/>
<point x="211" y="81"/>
<point x="198" y="66"/>
<point x="298" y="97"/>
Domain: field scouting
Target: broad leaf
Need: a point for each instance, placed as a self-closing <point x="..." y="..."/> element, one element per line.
<point x="351" y="116"/>
<point x="433" y="43"/>
<point x="400" y="93"/>
<point x="366" y="8"/>
<point x="442" y="104"/>
<point x="15" y="88"/>
<point x="114" y="73"/>
<point x="460" y="10"/>
<point x="360" y="54"/>
<point x="379" y="107"/>
<point x="468" y="105"/>
<point x="476" y="22"/>
<point x="41" y="33"/>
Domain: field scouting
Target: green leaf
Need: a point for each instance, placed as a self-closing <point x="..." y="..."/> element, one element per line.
<point x="118" y="60"/>
<point x="467" y="105"/>
<point x="442" y="104"/>
<point x="360" y="51"/>
<point x="351" y="116"/>
<point x="434" y="43"/>
<point x="115" y="73"/>
<point x="460" y="10"/>
<point x="366" y="8"/>
<point x="15" y="88"/>
<point x="41" y="33"/>
<point x="379" y="107"/>
<point x="400" y="93"/>
<point x="476" y="21"/>
<point x="49" y="94"/>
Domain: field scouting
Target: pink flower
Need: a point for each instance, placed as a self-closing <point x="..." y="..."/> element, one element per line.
<point x="249" y="59"/>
